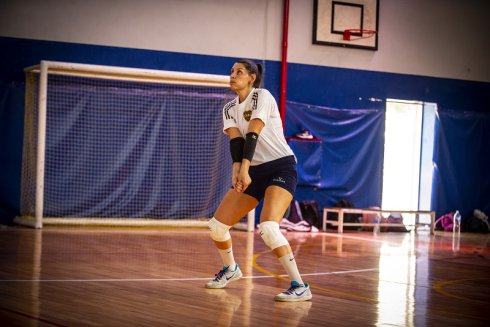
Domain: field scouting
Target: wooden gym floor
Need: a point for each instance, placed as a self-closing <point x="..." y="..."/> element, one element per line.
<point x="61" y="276"/>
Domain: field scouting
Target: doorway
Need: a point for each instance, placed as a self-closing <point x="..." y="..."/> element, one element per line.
<point x="408" y="165"/>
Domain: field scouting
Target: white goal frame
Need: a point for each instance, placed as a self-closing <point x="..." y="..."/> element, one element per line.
<point x="112" y="73"/>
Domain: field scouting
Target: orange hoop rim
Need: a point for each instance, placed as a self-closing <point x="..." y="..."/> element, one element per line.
<point x="360" y="33"/>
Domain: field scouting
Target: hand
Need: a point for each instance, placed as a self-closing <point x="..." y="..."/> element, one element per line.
<point x="243" y="181"/>
<point x="238" y="187"/>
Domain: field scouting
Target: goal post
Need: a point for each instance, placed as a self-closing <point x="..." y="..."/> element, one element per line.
<point x="118" y="146"/>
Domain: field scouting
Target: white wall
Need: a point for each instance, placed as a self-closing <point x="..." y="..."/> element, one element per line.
<point x="214" y="27"/>
<point x="440" y="38"/>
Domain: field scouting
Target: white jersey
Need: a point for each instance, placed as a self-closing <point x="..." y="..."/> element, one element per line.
<point x="260" y="103"/>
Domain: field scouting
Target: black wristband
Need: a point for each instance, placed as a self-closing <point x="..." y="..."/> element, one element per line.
<point x="250" y="143"/>
<point x="236" y="149"/>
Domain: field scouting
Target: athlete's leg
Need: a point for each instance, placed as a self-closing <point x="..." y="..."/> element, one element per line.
<point x="276" y="201"/>
<point x="233" y="207"/>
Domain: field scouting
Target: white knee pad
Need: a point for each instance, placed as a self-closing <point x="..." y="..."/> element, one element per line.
<point x="219" y="231"/>
<point x="271" y="234"/>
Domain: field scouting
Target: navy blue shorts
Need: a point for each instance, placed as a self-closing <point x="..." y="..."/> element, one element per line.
<point x="281" y="172"/>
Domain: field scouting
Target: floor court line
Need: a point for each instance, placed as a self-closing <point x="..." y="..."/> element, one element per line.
<point x="171" y="279"/>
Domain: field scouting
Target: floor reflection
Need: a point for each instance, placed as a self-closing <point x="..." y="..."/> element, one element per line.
<point x="229" y="304"/>
<point x="398" y="273"/>
<point x="292" y="313"/>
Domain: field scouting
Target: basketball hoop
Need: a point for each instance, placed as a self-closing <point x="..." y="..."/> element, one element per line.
<point x="358" y="33"/>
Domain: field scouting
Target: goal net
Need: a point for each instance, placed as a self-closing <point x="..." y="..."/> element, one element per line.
<point x="109" y="145"/>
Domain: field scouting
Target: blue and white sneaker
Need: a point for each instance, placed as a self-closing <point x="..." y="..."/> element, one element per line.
<point x="224" y="276"/>
<point x="296" y="293"/>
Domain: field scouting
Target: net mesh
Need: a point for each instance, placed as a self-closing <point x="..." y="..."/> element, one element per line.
<point x="119" y="149"/>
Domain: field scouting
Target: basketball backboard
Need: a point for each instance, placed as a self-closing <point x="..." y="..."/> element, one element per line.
<point x="350" y="23"/>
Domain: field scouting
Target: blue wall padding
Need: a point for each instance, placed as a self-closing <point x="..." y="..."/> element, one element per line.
<point x="11" y="135"/>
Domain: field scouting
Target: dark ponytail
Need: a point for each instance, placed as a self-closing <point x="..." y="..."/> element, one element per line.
<point x="253" y="68"/>
<point x="258" y="80"/>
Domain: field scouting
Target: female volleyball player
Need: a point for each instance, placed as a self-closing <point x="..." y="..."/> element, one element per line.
<point x="264" y="166"/>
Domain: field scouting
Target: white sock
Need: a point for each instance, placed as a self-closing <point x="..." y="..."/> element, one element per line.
<point x="289" y="264"/>
<point x="227" y="257"/>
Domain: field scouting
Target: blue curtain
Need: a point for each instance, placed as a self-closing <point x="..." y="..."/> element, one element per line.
<point x="462" y="162"/>
<point x="134" y="150"/>
<point x="347" y="160"/>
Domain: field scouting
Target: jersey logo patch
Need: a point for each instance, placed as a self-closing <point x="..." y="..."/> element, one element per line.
<point x="247" y="114"/>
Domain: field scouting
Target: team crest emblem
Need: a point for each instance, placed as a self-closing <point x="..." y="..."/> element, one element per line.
<point x="247" y="114"/>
